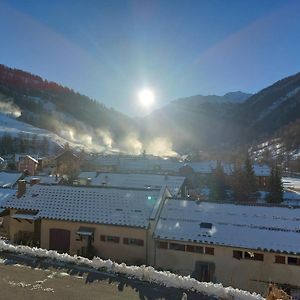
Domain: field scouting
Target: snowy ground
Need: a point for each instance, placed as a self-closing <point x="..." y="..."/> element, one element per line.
<point x="291" y="183"/>
<point x="15" y="128"/>
<point x="291" y="193"/>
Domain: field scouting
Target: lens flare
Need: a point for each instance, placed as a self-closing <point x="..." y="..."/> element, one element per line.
<point x="146" y="97"/>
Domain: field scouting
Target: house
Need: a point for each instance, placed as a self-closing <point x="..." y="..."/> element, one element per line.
<point x="5" y="193"/>
<point x="262" y="173"/>
<point x="243" y="246"/>
<point x="111" y="223"/>
<point x="175" y="184"/>
<point x="67" y="163"/>
<point x="27" y="164"/>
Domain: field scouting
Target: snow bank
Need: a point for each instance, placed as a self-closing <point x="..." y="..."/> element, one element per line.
<point x="145" y="273"/>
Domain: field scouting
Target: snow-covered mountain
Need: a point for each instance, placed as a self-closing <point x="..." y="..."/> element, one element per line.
<point x="208" y="123"/>
<point x="231" y="97"/>
<point x="73" y="117"/>
<point x="18" y="129"/>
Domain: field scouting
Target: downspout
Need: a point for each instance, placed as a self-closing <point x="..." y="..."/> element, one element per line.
<point x="147" y="233"/>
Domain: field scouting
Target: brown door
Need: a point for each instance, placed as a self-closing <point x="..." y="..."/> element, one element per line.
<point x="59" y="240"/>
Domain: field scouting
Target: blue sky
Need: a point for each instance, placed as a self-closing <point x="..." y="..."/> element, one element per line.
<point x="108" y="50"/>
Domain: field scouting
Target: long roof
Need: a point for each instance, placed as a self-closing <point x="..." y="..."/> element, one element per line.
<point x="5" y="193"/>
<point x="91" y="205"/>
<point x="8" y="179"/>
<point x="44" y="179"/>
<point x="138" y="181"/>
<point x="242" y="226"/>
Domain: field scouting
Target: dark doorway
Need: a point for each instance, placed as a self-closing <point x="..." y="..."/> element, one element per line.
<point x="204" y="271"/>
<point x="59" y="240"/>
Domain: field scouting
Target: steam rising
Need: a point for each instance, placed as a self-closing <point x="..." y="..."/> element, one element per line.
<point x="132" y="144"/>
<point x="10" y="108"/>
<point x="102" y="140"/>
<point x="161" y="147"/>
<point x="106" y="138"/>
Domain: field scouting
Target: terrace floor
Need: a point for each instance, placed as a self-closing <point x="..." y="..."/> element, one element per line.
<point x="29" y="278"/>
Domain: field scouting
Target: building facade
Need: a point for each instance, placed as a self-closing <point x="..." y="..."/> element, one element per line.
<point x="244" y="246"/>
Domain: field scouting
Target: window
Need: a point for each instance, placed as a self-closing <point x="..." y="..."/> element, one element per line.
<point x="162" y="245"/>
<point x="109" y="238"/>
<point x="175" y="246"/>
<point x="196" y="249"/>
<point x="130" y="241"/>
<point x="279" y="259"/>
<point x="293" y="261"/>
<point x="237" y="254"/>
<point x="254" y="256"/>
<point x="210" y="250"/>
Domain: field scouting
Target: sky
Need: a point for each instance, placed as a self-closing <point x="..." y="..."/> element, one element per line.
<point x="110" y="50"/>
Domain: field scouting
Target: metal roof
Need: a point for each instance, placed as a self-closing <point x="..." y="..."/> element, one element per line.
<point x="91" y="205"/>
<point x="243" y="226"/>
<point x="9" y="179"/>
<point x="5" y="194"/>
<point x="138" y="181"/>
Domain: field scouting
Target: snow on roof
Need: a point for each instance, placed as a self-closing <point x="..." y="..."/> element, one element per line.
<point x="51" y="179"/>
<point x="203" y="167"/>
<point x="207" y="167"/>
<point x="5" y="194"/>
<point x="261" y="170"/>
<point x="136" y="163"/>
<point x="139" y="181"/>
<point x="19" y="156"/>
<point x="107" y="160"/>
<point x="85" y="175"/>
<point x="8" y="179"/>
<point x="243" y="226"/>
<point x="33" y="159"/>
<point x="169" y="165"/>
<point x="91" y="205"/>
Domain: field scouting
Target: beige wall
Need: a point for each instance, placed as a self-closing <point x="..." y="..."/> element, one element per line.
<point x="115" y="251"/>
<point x="5" y="223"/>
<point x="244" y="274"/>
<point x="16" y="226"/>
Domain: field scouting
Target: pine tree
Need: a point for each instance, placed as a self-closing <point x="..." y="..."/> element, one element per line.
<point x="218" y="184"/>
<point x="243" y="181"/>
<point x="276" y="187"/>
<point x="251" y="185"/>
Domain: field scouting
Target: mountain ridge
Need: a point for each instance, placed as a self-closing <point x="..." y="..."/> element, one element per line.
<point x="208" y="123"/>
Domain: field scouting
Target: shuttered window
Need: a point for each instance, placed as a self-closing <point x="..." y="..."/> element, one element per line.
<point x="210" y="250"/>
<point x="279" y="259"/>
<point x="162" y="245"/>
<point x="136" y="242"/>
<point x="237" y="254"/>
<point x="196" y="249"/>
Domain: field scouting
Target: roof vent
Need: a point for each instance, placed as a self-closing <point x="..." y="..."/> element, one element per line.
<point x="206" y="225"/>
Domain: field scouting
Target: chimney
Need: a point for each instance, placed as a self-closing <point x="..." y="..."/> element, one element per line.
<point x="34" y="181"/>
<point x="21" y="188"/>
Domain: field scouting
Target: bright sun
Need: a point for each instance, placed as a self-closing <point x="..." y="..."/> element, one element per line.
<point x="146" y="97"/>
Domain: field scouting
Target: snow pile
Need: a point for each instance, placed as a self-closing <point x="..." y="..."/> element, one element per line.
<point x="145" y="273"/>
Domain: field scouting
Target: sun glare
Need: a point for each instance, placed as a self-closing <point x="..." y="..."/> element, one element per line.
<point x="146" y="97"/>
